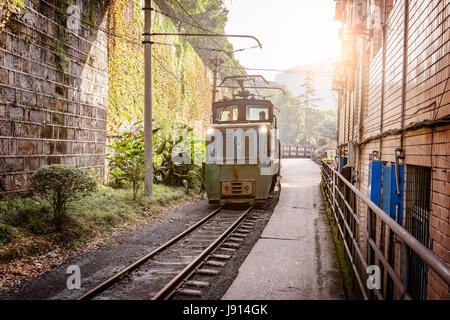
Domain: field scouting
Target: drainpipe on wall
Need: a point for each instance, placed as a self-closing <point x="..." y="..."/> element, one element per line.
<point x="402" y="124"/>
<point x="363" y="77"/>
<point x="338" y="133"/>
<point x="383" y="73"/>
<point x="405" y="67"/>
<point x="361" y="102"/>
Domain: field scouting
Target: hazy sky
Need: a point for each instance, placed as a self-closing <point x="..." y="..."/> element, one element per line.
<point x="292" y="32"/>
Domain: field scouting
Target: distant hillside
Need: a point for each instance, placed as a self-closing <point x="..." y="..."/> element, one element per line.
<point x="322" y="78"/>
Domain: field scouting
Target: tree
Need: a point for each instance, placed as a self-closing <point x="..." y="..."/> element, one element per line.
<point x="309" y="103"/>
<point x="293" y="116"/>
<point x="328" y="124"/>
<point x="211" y="16"/>
<point x="60" y="185"/>
<point x="288" y="115"/>
<point x="126" y="163"/>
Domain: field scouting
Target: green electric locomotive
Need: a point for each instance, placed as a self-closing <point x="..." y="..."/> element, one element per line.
<point x="242" y="162"/>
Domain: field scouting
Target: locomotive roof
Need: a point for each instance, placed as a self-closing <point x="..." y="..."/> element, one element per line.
<point x="243" y="102"/>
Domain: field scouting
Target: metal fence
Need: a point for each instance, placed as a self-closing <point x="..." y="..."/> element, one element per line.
<point x="379" y="241"/>
<point x="289" y="151"/>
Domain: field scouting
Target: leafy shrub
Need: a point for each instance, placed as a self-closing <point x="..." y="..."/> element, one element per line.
<point x="126" y="163"/>
<point x="33" y="229"/>
<point x="171" y="165"/>
<point x="37" y="227"/>
<point x="198" y="174"/>
<point x="60" y="185"/>
<point x="7" y="233"/>
<point x="69" y="237"/>
<point x="24" y="248"/>
<point x="165" y="170"/>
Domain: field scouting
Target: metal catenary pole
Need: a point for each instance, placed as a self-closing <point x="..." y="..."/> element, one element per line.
<point x="216" y="62"/>
<point x="148" y="138"/>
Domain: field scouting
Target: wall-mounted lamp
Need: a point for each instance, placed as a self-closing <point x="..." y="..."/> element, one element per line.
<point x="375" y="155"/>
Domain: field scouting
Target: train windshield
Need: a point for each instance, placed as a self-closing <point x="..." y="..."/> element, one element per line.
<point x="257" y="113"/>
<point x="227" y="113"/>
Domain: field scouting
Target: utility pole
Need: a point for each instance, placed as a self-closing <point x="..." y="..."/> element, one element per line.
<point x="216" y="62"/>
<point x="148" y="130"/>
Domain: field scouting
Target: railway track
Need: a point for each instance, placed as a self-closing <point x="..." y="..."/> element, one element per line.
<point x="200" y="251"/>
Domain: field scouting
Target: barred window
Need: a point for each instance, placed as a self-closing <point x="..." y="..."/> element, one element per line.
<point x="418" y="201"/>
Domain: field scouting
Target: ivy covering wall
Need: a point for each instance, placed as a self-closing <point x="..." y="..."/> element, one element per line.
<point x="181" y="88"/>
<point x="9" y="8"/>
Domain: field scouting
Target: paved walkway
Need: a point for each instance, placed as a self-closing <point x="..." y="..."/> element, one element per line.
<point x="294" y="258"/>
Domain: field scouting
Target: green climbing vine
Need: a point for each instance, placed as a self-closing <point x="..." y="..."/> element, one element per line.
<point x="61" y="58"/>
<point x="89" y="18"/>
<point x="90" y="13"/>
<point x="181" y="90"/>
<point x="8" y="9"/>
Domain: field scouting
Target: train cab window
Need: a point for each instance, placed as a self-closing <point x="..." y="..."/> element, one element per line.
<point x="227" y="113"/>
<point x="257" y="113"/>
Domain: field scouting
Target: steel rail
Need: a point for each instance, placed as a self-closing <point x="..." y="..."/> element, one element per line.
<point x="116" y="277"/>
<point x="439" y="266"/>
<point x="166" y="292"/>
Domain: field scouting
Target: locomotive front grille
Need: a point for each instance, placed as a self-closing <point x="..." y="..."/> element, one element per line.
<point x="237" y="188"/>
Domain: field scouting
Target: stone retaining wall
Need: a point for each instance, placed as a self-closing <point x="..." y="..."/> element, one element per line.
<point x="53" y="91"/>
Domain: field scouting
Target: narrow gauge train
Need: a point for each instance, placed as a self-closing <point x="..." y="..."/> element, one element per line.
<point x="242" y="151"/>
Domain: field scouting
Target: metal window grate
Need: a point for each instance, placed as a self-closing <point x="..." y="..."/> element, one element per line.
<point x="418" y="189"/>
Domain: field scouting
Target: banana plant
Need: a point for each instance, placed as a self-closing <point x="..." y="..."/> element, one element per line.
<point x="126" y="164"/>
<point x="165" y="169"/>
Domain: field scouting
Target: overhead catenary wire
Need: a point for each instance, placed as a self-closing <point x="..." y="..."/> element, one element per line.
<point x="168" y="70"/>
<point x="138" y="41"/>
<point x="206" y="30"/>
<point x="176" y="18"/>
<point x="134" y="40"/>
<point x="164" y="66"/>
<point x="287" y="71"/>
<point x="182" y="21"/>
<point x="203" y="48"/>
<point x="75" y="58"/>
<point x="56" y="12"/>
<point x="199" y="26"/>
<point x="53" y="10"/>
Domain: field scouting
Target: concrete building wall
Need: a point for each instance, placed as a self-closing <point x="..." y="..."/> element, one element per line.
<point x="53" y="91"/>
<point x="425" y="138"/>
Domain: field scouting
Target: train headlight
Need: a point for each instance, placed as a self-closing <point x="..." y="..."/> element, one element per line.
<point x="263" y="129"/>
<point x="210" y="131"/>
